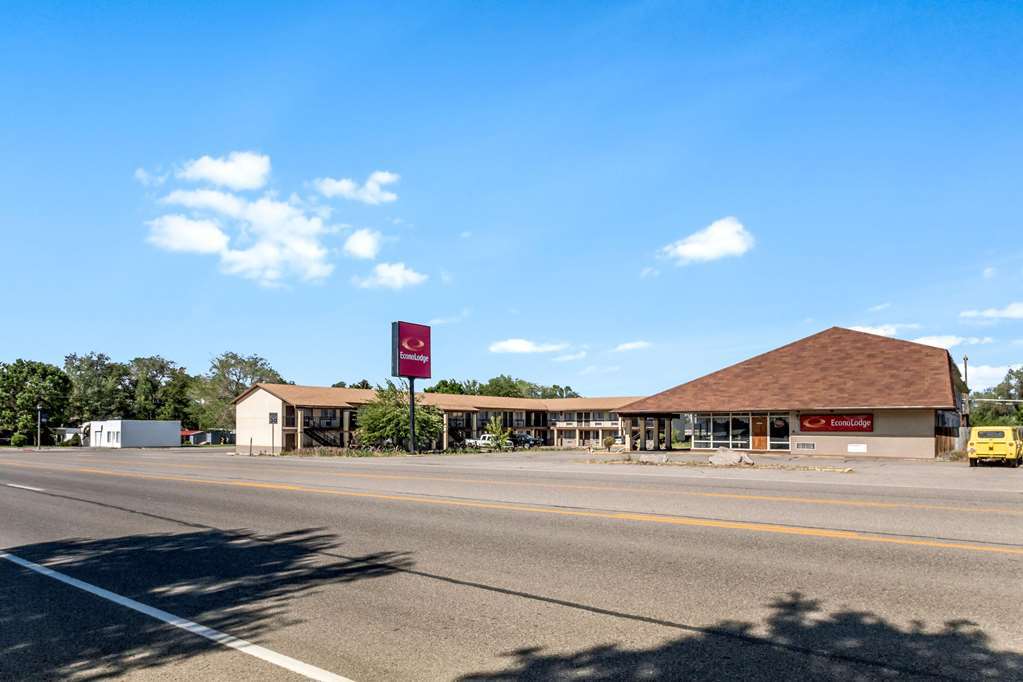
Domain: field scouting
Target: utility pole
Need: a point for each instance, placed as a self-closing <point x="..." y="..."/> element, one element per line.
<point x="39" y="425"/>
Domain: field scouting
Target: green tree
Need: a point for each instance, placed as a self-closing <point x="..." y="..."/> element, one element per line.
<point x="176" y="399"/>
<point x="985" y="413"/>
<point x="159" y="389"/>
<point x="495" y="427"/>
<point x="451" y="387"/>
<point x="385" y="420"/>
<point x="504" y="386"/>
<point x="100" y="388"/>
<point x="361" y="383"/>
<point x="229" y="376"/>
<point x="25" y="384"/>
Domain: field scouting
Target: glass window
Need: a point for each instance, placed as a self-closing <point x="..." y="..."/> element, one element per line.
<point x="778" y="429"/>
<point x="720" y="426"/>
<point x="740" y="431"/>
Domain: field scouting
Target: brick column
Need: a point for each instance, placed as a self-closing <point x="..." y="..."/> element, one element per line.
<point x="300" y="424"/>
<point x="346" y="428"/>
<point x="667" y="432"/>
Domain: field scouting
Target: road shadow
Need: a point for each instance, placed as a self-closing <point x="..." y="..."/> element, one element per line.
<point x="799" y="640"/>
<point x="235" y="581"/>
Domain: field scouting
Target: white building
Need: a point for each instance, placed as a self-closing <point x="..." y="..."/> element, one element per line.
<point x="135" y="433"/>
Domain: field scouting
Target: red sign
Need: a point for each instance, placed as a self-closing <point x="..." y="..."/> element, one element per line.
<point x="410" y="350"/>
<point x="836" y="422"/>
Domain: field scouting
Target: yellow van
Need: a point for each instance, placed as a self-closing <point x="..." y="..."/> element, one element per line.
<point x="996" y="443"/>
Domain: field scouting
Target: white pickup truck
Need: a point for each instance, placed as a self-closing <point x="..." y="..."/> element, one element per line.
<point x="484" y="441"/>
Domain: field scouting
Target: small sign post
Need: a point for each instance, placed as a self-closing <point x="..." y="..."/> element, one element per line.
<point x="410" y="358"/>
<point x="273" y="422"/>
<point x="39" y="425"/>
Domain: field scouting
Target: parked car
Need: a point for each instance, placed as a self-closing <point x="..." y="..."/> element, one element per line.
<point x="485" y="441"/>
<point x="524" y="440"/>
<point x="995" y="444"/>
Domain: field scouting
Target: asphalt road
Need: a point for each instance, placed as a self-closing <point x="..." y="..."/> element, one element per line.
<point x="509" y="567"/>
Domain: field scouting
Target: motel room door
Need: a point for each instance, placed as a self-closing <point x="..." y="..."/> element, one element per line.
<point x="759" y="432"/>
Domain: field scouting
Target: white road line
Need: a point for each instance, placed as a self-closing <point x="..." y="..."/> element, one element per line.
<point x="286" y="662"/>
<point x="24" y="487"/>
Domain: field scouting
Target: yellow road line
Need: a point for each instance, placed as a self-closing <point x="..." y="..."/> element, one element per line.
<point x="693" y="493"/>
<point x="532" y="509"/>
<point x="860" y="503"/>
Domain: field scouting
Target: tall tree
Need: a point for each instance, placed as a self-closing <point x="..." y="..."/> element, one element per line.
<point x="230" y="374"/>
<point x="502" y="385"/>
<point x="449" y="386"/>
<point x="100" y="388"/>
<point x="25" y="384"/>
<point x="983" y="413"/>
<point x="385" y="420"/>
<point x="160" y="390"/>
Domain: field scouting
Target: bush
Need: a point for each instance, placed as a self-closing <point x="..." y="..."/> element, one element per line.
<point x="608" y="442"/>
<point x="19" y="440"/>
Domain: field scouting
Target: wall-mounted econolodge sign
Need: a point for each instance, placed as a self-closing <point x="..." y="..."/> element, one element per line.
<point x="836" y="422"/>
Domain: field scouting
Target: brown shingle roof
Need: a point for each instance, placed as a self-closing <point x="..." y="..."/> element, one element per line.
<point x="325" y="396"/>
<point x="834" y="369"/>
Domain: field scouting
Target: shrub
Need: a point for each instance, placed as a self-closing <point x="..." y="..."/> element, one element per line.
<point x="608" y="442"/>
<point x="19" y="440"/>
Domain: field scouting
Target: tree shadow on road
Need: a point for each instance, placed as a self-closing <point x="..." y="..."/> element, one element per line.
<point x="234" y="581"/>
<point x="797" y="641"/>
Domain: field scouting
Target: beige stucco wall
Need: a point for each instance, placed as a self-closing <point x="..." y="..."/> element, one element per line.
<point x="252" y="422"/>
<point x="897" y="433"/>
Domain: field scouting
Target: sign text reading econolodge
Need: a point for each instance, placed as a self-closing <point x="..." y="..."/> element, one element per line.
<point x="410" y="350"/>
<point x="836" y="422"/>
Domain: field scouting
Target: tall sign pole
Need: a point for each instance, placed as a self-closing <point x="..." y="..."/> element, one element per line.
<point x="410" y="359"/>
<point x="39" y="425"/>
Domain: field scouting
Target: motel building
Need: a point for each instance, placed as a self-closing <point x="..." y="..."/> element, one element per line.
<point x="838" y="392"/>
<point x="287" y="417"/>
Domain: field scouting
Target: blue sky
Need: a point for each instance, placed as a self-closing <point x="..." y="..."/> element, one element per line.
<point x="616" y="196"/>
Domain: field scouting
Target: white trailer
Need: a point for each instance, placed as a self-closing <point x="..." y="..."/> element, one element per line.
<point x="135" y="433"/>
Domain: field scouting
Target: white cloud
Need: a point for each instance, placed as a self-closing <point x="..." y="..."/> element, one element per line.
<point x="989" y="272"/>
<point x="570" y="357"/>
<point x="363" y="243"/>
<point x="371" y="192"/>
<point x="879" y="307"/>
<point x="599" y="369"/>
<point x="950" y="341"/>
<point x="147" y="179"/>
<point x="446" y="277"/>
<point x="525" y="346"/>
<point x="722" y="238"/>
<point x="454" y="319"/>
<point x="210" y="199"/>
<point x="240" y="170"/>
<point x="884" y="329"/>
<point x="986" y="376"/>
<point x="649" y="272"/>
<point x="178" y="233"/>
<point x="273" y="238"/>
<point x="465" y="234"/>
<point x="390" y="276"/>
<point x="1013" y="311"/>
<point x="631" y="345"/>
